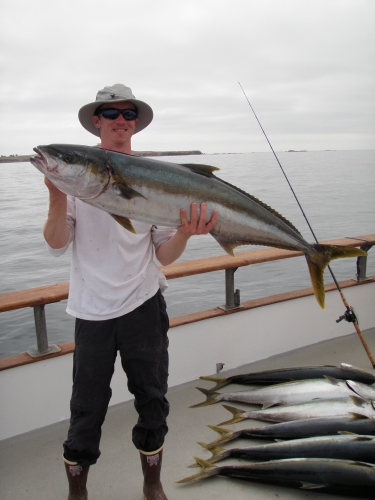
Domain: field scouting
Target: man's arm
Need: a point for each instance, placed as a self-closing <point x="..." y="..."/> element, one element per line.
<point x="173" y="248"/>
<point x="55" y="231"/>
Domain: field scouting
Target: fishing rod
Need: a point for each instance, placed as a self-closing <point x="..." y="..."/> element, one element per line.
<point x="349" y="314"/>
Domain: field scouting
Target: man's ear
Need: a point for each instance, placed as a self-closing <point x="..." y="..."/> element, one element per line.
<point x="96" y="121"/>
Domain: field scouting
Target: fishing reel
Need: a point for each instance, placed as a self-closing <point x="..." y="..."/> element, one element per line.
<point x="349" y="316"/>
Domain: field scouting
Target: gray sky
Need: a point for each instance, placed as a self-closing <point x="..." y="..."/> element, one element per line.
<point x="307" y="67"/>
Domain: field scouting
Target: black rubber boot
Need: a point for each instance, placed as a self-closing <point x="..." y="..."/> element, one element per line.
<point x="151" y="467"/>
<point x="77" y="477"/>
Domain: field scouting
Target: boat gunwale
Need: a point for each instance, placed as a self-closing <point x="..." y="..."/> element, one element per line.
<point x="48" y="294"/>
<point x="68" y="347"/>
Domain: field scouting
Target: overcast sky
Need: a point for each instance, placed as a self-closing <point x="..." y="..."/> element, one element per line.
<point x="307" y="67"/>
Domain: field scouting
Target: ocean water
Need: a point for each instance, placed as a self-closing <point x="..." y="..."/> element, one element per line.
<point x="335" y="188"/>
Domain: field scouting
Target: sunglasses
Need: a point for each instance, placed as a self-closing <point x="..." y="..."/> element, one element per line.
<point x="113" y="113"/>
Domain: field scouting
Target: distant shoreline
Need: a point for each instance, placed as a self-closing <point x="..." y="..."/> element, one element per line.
<point x="22" y="158"/>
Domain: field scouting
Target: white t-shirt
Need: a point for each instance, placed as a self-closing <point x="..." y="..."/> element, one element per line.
<point x="112" y="270"/>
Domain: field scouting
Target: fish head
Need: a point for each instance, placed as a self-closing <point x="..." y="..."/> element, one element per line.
<point x="75" y="170"/>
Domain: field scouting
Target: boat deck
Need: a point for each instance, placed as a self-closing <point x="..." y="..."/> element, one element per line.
<point x="31" y="465"/>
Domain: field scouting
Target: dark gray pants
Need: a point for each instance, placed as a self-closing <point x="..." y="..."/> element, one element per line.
<point x="141" y="339"/>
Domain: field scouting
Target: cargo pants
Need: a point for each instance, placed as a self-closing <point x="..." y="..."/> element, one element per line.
<point x="141" y="339"/>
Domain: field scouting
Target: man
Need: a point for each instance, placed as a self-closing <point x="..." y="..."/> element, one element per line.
<point x="115" y="295"/>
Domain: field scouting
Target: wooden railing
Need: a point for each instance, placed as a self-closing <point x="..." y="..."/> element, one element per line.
<point x="39" y="297"/>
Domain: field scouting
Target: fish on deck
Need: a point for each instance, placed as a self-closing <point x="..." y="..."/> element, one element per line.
<point x="348" y="446"/>
<point x="292" y="392"/>
<point x="305" y="473"/>
<point x="308" y="409"/>
<point x="153" y="191"/>
<point x="343" y="372"/>
<point x="301" y="428"/>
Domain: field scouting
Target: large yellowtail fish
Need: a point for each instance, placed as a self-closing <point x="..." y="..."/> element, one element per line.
<point x="317" y="408"/>
<point x="289" y="374"/>
<point x="348" y="446"/>
<point x="297" y="391"/>
<point x="345" y="476"/>
<point x="130" y="187"/>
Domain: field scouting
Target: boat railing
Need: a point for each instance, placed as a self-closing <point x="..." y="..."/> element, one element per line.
<point x="39" y="297"/>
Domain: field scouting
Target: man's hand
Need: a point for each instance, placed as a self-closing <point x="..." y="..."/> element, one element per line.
<point x="53" y="190"/>
<point x="173" y="248"/>
<point x="197" y="226"/>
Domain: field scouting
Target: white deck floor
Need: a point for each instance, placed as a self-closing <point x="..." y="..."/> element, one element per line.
<point x="31" y="467"/>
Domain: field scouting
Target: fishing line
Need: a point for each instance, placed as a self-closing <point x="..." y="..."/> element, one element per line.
<point x="349" y="314"/>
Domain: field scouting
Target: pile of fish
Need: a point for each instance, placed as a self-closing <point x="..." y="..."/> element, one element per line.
<point x="323" y="424"/>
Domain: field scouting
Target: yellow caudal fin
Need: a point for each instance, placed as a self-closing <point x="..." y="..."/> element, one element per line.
<point x="238" y="415"/>
<point x="319" y="259"/>
<point x="220" y="382"/>
<point x="207" y="470"/>
<point x="211" y="398"/>
<point x="225" y="436"/>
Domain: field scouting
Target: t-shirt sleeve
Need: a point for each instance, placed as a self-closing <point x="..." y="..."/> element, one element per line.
<point x="161" y="234"/>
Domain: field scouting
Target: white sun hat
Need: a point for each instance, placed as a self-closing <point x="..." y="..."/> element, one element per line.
<point x="116" y="93"/>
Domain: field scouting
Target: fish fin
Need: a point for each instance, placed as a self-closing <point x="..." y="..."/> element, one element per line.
<point x="357" y="400"/>
<point x="332" y="380"/>
<point x="356" y="437"/>
<point x="124" y="222"/>
<point x="220" y="382"/>
<point x="237" y="415"/>
<point x="319" y="259"/>
<point x="269" y="405"/>
<point x="359" y="416"/>
<point x="220" y="430"/>
<point x="312" y="486"/>
<point x="125" y="191"/>
<point x="206" y="170"/>
<point x="217" y="454"/>
<point x="211" y="379"/>
<point x="262" y="204"/>
<point x="226" y="245"/>
<point x="226" y="435"/>
<point x="212" y="397"/>
<point x="204" y="445"/>
<point x="207" y="470"/>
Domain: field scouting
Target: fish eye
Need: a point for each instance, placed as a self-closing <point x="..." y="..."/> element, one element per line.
<point x="67" y="158"/>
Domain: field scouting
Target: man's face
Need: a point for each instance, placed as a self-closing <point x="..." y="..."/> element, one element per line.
<point x="115" y="133"/>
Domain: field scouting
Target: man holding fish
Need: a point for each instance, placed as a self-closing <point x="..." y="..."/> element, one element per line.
<point x="116" y="297"/>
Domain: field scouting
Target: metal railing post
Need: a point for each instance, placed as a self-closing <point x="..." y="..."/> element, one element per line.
<point x="41" y="335"/>
<point x="232" y="298"/>
<point x="362" y="264"/>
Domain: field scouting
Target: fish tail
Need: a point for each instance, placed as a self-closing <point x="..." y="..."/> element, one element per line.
<point x="212" y="397"/>
<point x="217" y="454"/>
<point x="208" y="470"/>
<point x="226" y="435"/>
<point x="318" y="260"/>
<point x="238" y="415"/>
<point x="220" y="382"/>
